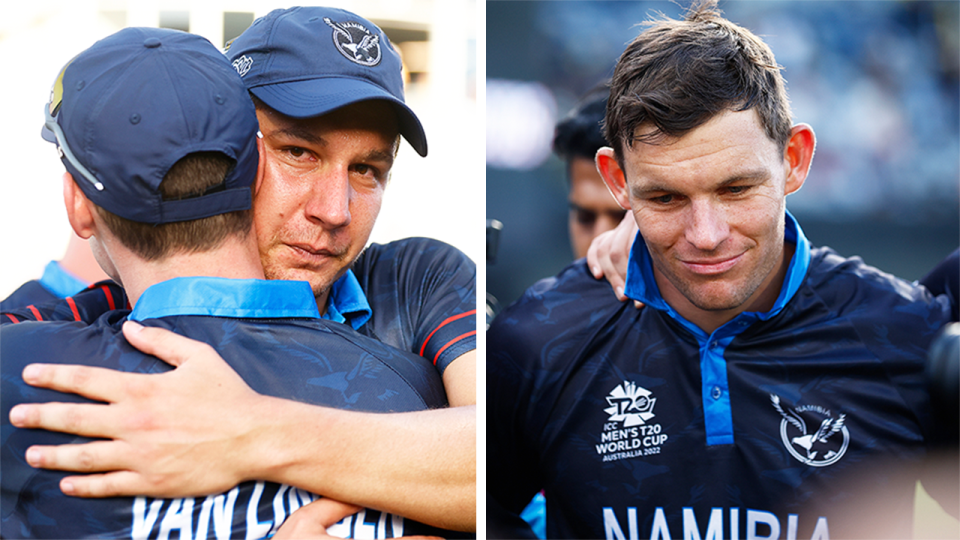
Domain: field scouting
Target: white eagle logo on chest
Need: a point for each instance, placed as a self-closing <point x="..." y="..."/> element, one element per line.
<point x="820" y="448"/>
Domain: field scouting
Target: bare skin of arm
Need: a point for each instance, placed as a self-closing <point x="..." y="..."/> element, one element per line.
<point x="421" y="465"/>
<point x="609" y="253"/>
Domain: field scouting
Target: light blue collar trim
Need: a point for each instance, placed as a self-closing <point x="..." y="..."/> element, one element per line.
<point x="222" y="297"/>
<point x="60" y="282"/>
<point x="642" y="286"/>
<point x="799" y="264"/>
<point x="348" y="302"/>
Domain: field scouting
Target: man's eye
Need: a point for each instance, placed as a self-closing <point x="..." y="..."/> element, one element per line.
<point x="296" y="151"/>
<point x="663" y="199"/>
<point x="366" y="170"/>
<point x="585" y="217"/>
<point x="737" y="189"/>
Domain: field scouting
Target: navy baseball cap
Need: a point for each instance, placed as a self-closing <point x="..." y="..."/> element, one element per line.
<point x="308" y="61"/>
<point x="125" y="110"/>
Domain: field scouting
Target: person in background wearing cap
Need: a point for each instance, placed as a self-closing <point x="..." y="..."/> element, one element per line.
<point x="576" y="140"/>
<point x="329" y="98"/>
<point x="159" y="140"/>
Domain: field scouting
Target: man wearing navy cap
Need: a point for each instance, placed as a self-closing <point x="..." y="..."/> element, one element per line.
<point x="159" y="140"/>
<point x="329" y="97"/>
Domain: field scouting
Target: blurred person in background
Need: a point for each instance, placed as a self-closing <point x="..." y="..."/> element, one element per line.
<point x="576" y="140"/>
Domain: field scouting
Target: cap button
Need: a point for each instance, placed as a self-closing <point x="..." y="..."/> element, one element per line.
<point x="151" y="43"/>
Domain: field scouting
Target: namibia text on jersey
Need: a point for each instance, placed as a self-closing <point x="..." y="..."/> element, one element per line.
<point x="759" y="525"/>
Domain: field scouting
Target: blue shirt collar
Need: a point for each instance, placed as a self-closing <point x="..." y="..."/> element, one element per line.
<point x="222" y="297"/>
<point x="347" y="302"/>
<point x="60" y="282"/>
<point x="642" y="286"/>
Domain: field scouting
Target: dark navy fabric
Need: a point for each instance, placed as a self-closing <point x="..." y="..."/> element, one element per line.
<point x="55" y="283"/>
<point x="606" y="408"/>
<point x="945" y="279"/>
<point x="31" y="292"/>
<point x="424" y="298"/>
<point x="87" y="305"/>
<point x="276" y="352"/>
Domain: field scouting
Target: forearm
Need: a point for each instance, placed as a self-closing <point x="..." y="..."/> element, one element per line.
<point x="421" y="465"/>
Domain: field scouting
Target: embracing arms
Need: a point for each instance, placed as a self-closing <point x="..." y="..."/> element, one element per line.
<point x="179" y="434"/>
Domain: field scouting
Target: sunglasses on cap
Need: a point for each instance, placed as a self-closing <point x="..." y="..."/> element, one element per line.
<point x="51" y="112"/>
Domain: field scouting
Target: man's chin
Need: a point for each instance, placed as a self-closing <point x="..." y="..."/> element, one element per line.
<point x="715" y="300"/>
<point x="317" y="283"/>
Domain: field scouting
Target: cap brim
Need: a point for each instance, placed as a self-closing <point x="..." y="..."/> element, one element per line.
<point x="306" y="99"/>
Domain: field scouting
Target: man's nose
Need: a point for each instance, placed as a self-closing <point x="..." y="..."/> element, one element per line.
<point x="329" y="201"/>
<point x="706" y="226"/>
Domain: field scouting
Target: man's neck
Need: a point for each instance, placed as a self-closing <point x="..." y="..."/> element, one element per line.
<point x="234" y="259"/>
<point x="323" y="300"/>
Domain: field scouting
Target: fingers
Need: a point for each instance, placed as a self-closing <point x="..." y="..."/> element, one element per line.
<point x="609" y="254"/>
<point x="98" y="486"/>
<point x="87" y="420"/>
<point x="99" y="384"/>
<point x="312" y="520"/>
<point x="164" y="344"/>
<point x="328" y="512"/>
<point x="94" y="456"/>
<point x="594" y="253"/>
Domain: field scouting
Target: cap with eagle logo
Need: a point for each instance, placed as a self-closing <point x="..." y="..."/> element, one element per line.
<point x="123" y="111"/>
<point x="308" y="61"/>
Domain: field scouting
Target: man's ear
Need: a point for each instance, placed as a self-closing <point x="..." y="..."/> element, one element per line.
<point x="261" y="164"/>
<point x="798" y="156"/>
<point x="613" y="176"/>
<point x="79" y="208"/>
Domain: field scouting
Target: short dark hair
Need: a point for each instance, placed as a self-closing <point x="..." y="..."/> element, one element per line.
<point x="192" y="175"/>
<point x="677" y="75"/>
<point x="580" y="132"/>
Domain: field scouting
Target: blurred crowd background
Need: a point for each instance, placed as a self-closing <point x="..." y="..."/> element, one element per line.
<point x="877" y="80"/>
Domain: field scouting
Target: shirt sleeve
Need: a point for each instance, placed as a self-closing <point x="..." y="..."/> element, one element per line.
<point x="423" y="294"/>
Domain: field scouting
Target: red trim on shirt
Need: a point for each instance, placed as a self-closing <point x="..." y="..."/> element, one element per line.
<point x="73" y="308"/>
<point x="35" y="312"/>
<point x="106" y="291"/>
<point x="12" y="318"/>
<point x="451" y="342"/>
<point x="448" y="320"/>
